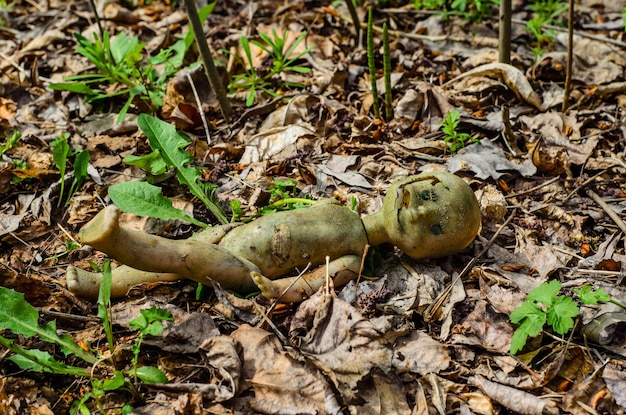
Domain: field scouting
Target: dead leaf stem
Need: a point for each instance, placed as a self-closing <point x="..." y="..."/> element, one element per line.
<point x="607" y="209"/>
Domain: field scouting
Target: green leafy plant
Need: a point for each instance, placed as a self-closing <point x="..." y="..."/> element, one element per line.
<point x="449" y="128"/>
<point x="11" y="141"/>
<point x="168" y="146"/>
<point x="149" y="323"/>
<point x="5" y="7"/>
<point x="70" y="246"/>
<point x="18" y="317"/>
<point x="60" y="153"/>
<point x="282" y="57"/>
<point x="282" y="60"/>
<point x="545" y="306"/>
<point x="475" y="10"/>
<point x="281" y="198"/>
<point x="547" y="12"/>
<point x="144" y="199"/>
<point x="123" y="70"/>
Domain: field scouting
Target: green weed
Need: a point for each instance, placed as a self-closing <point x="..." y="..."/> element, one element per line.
<point x="455" y="139"/>
<point x="60" y="153"/>
<point x="545" y="306"/>
<point x="11" y="141"/>
<point x="5" y="7"/>
<point x="124" y="71"/>
<point x="474" y="10"/>
<point x="21" y="319"/>
<point x="282" y="60"/>
<point x="547" y="12"/>
<point x="168" y="146"/>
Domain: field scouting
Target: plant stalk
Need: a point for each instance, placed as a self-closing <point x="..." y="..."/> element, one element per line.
<point x="504" y="32"/>
<point x="570" y="55"/>
<point x="371" y="63"/>
<point x="207" y="58"/>
<point x="387" y="74"/>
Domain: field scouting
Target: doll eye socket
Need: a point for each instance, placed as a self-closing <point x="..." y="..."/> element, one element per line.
<point x="428" y="195"/>
<point x="436" y="229"/>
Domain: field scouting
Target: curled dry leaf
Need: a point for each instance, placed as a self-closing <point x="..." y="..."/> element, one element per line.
<point x="511" y="76"/>
<point x="280" y="381"/>
<point x="419" y="354"/>
<point x="614" y="374"/>
<point x="520" y="402"/>
<point x="339" y="342"/>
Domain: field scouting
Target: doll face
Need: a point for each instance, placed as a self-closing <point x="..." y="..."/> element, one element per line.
<point x="431" y="214"/>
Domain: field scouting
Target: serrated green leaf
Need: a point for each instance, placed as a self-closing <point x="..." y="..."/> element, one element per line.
<point x="528" y="310"/>
<point x="518" y="340"/>
<point x="592" y="297"/>
<point x="39" y="361"/>
<point x="153" y="329"/>
<point x="560" y="315"/>
<point x="165" y="138"/>
<point x="545" y="292"/>
<point x="22" y="318"/>
<point x="144" y="199"/>
<point x="531" y="319"/>
<point x="151" y="374"/>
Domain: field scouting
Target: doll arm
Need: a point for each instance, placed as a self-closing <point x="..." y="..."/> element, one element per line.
<point x="341" y="270"/>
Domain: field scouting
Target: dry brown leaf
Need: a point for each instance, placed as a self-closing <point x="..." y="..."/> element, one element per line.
<point x="340" y="342"/>
<point x="516" y="400"/>
<point x="485" y="328"/>
<point x="279" y="381"/>
<point x="419" y="354"/>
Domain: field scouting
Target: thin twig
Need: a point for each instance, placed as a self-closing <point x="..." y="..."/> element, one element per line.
<point x="524" y="192"/>
<point x="607" y="209"/>
<point x="199" y="104"/>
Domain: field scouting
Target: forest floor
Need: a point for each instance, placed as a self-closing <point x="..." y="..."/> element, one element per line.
<point x="549" y="178"/>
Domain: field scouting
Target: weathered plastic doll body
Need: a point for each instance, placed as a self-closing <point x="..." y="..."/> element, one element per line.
<point x="428" y="215"/>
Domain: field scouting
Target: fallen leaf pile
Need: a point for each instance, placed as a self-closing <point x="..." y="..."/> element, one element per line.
<point x="420" y="337"/>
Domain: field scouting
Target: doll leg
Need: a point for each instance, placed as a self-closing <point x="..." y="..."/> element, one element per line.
<point x="87" y="284"/>
<point x="190" y="258"/>
<point x="341" y="271"/>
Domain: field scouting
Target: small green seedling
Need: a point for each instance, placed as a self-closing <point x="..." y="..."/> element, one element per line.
<point x="546" y="12"/>
<point x="282" y="57"/>
<point x="282" y="61"/>
<point x="60" y="153"/>
<point x="149" y="323"/>
<point x="281" y="198"/>
<point x="70" y="246"/>
<point x="449" y="128"/>
<point x="11" y="141"/>
<point x="545" y="305"/>
<point x="5" y="7"/>
<point x="474" y="10"/>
